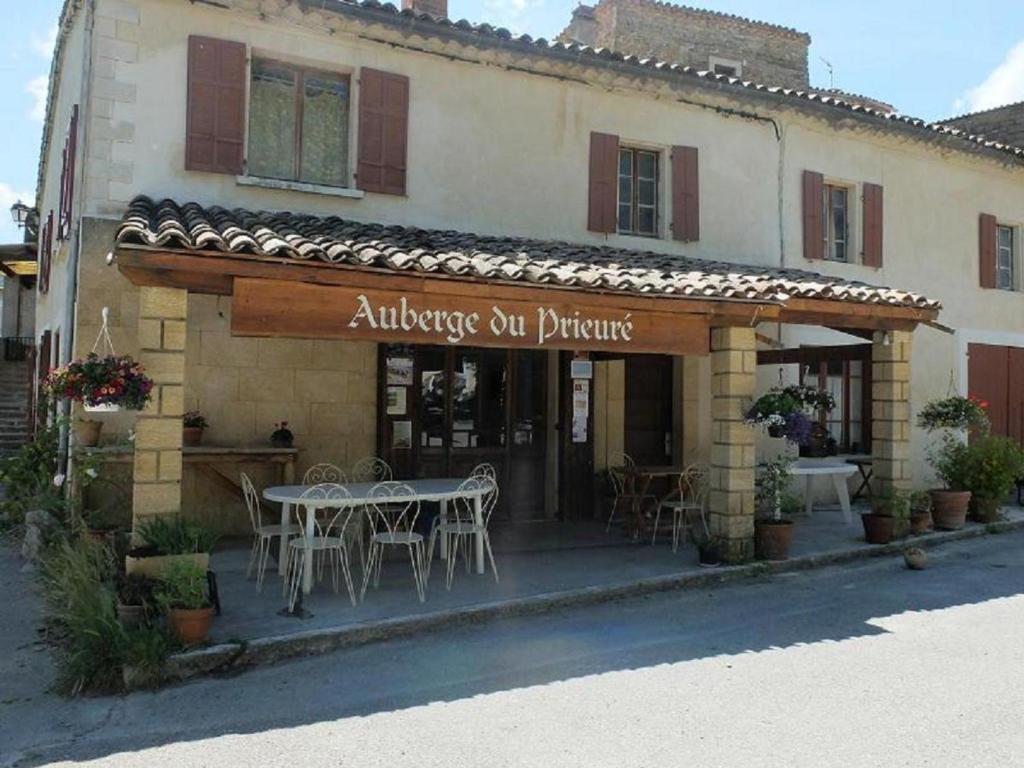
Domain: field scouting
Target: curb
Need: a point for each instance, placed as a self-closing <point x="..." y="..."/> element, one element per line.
<point x="235" y="656"/>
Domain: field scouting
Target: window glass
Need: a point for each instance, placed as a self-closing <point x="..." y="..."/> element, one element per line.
<point x="325" y="129"/>
<point x="272" y="121"/>
<point x="638" y="192"/>
<point x="835" y="222"/>
<point x="433" y="432"/>
<point x="625" y="190"/>
<point x="1004" y="258"/>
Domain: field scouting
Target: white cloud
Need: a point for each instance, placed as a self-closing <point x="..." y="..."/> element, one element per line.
<point x="1004" y="84"/>
<point x="9" y="233"/>
<point x="44" y="45"/>
<point x="509" y="13"/>
<point x="37" y="88"/>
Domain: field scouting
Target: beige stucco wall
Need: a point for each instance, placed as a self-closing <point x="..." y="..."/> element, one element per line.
<point x="498" y="150"/>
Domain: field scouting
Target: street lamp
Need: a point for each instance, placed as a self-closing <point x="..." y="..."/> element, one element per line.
<point x="20" y="213"/>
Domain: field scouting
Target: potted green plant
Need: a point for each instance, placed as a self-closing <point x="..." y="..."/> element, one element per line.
<point x="134" y="599"/>
<point x="785" y="411"/>
<point x="183" y="593"/>
<point x="954" y="416"/>
<point x="282" y="437"/>
<point x="773" y="530"/>
<point x="193" y="424"/>
<point x="890" y="512"/>
<point x="920" y="512"/>
<point x="991" y="466"/>
<point x="109" y="383"/>
<point x="166" y="541"/>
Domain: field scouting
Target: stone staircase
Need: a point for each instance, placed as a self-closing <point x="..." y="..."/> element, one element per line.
<point x="15" y="424"/>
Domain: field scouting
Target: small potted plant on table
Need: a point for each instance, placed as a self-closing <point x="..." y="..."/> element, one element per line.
<point x="184" y="594"/>
<point x="888" y="518"/>
<point x="193" y="424"/>
<point x="282" y="437"/>
<point x="773" y="532"/>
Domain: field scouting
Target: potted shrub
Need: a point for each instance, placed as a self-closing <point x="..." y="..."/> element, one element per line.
<point x="134" y="599"/>
<point x="890" y="511"/>
<point x="773" y="532"/>
<point x="110" y="383"/>
<point x="992" y="464"/>
<point x="955" y="416"/>
<point x="87" y="432"/>
<point x="785" y="411"/>
<point x="167" y="541"/>
<point x="193" y="424"/>
<point x="183" y="593"/>
<point x="282" y="437"/>
<point x="920" y="512"/>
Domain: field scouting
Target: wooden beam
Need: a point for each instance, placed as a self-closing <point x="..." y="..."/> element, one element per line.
<point x="813" y="355"/>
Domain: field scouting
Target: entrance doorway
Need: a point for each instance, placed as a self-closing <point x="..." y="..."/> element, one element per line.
<point x="447" y="409"/>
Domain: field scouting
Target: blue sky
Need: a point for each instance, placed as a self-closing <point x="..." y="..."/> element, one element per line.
<point x="930" y="58"/>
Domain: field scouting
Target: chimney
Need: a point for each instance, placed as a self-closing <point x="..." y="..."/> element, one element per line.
<point x="436" y="8"/>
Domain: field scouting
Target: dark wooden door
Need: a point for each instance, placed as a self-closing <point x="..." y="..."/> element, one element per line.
<point x="1015" y="395"/>
<point x="648" y="416"/>
<point x="988" y="378"/>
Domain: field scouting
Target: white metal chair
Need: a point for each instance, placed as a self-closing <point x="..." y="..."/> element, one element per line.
<point x="263" y="534"/>
<point x="461" y="526"/>
<point x="484" y="470"/>
<point x="393" y="509"/>
<point x="324" y="473"/>
<point x="627" y="461"/>
<point x="328" y="539"/>
<point x="372" y="469"/>
<point x="623" y="492"/>
<point x="692" y="497"/>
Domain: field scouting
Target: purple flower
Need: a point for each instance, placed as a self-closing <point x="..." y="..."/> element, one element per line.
<point x="798" y="428"/>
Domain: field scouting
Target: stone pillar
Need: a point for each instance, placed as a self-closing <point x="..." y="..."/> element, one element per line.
<point x="890" y="409"/>
<point x="157" y="476"/>
<point x="733" y="378"/>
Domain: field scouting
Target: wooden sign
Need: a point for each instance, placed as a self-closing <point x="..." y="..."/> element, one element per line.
<point x="547" y="320"/>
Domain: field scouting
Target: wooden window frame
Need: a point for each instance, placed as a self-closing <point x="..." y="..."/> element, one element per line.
<point x="300" y="73"/>
<point x="1011" y="269"/>
<point x="828" y="235"/>
<point x="634" y="205"/>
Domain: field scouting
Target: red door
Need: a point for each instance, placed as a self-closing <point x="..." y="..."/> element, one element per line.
<point x="988" y="378"/>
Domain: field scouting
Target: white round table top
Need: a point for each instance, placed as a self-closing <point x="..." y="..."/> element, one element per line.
<point x="432" y="489"/>
<point x="822" y="468"/>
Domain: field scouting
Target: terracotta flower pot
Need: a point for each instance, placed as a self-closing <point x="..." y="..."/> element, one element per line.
<point x="131" y="615"/>
<point x="192" y="436"/>
<point x="949" y="509"/>
<point x="87" y="432"/>
<point x="985" y="510"/>
<point x="920" y="522"/>
<point x="772" y="539"/>
<point x="190" y="626"/>
<point x="878" y="529"/>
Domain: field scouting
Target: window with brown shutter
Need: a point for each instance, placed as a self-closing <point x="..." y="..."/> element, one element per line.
<point x="987" y="250"/>
<point x="215" y="120"/>
<point x="872" y="250"/>
<point x="813" y="189"/>
<point x="603" y="186"/>
<point x="45" y="253"/>
<point x="685" y="194"/>
<point x="67" y="177"/>
<point x="383" y="132"/>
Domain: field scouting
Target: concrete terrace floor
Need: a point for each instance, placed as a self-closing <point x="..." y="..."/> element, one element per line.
<point x="533" y="559"/>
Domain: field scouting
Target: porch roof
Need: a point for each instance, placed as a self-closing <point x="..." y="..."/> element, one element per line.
<point x="192" y="228"/>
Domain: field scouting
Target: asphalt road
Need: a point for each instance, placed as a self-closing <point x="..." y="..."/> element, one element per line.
<point x="865" y="665"/>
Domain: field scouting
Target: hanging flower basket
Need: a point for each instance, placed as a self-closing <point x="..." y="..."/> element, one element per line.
<point x="783" y="411"/>
<point x="955" y="412"/>
<point x="101" y="384"/>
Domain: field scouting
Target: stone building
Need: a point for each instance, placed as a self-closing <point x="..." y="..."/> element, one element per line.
<point x="718" y="42"/>
<point x="1003" y="124"/>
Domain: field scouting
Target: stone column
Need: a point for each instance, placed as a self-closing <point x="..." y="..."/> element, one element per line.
<point x="733" y="378"/>
<point x="890" y="409"/>
<point x="157" y="476"/>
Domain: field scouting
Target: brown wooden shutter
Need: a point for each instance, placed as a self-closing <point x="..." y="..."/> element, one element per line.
<point x="988" y="376"/>
<point x="814" y="239"/>
<point x="215" y="121"/>
<point x="383" y="132"/>
<point x="44" y="253"/>
<point x="67" y="177"/>
<point x="987" y="250"/>
<point x="1015" y="390"/>
<point x="872" y="225"/>
<point x="604" y="183"/>
<point x="685" y="194"/>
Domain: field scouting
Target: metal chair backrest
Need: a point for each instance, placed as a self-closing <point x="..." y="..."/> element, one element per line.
<point x="618" y="479"/>
<point x="324" y="473"/>
<point x="461" y="508"/>
<point x="694" y="487"/>
<point x="392" y="507"/>
<point x="252" y="503"/>
<point x="332" y="492"/>
<point x="484" y="470"/>
<point x="627" y="460"/>
<point x="372" y="469"/>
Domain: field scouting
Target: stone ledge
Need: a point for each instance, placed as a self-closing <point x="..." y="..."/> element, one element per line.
<point x="229" y="657"/>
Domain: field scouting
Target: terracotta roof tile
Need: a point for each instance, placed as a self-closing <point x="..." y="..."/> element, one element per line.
<point x="191" y="227"/>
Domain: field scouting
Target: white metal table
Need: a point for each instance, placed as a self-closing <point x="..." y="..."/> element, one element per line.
<point x="441" y="490"/>
<point x="838" y="471"/>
